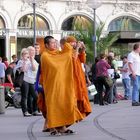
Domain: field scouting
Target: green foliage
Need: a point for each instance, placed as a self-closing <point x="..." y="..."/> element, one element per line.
<point x="103" y="43"/>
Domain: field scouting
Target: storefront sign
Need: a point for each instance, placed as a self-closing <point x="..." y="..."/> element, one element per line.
<point x="137" y="35"/>
<point x="130" y="35"/>
<point x="30" y="33"/>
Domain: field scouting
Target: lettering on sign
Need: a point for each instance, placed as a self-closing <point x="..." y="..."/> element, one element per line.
<point x="30" y="33"/>
<point x="137" y="35"/>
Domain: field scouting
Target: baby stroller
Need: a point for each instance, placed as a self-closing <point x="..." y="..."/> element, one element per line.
<point x="12" y="96"/>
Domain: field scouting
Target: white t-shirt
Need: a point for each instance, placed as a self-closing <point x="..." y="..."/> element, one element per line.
<point x="125" y="75"/>
<point x="134" y="58"/>
<point x="29" y="74"/>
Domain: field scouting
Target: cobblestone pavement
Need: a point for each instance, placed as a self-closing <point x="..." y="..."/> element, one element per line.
<point x="119" y="121"/>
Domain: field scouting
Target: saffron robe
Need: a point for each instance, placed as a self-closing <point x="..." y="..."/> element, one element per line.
<point x="80" y="85"/>
<point x="58" y="84"/>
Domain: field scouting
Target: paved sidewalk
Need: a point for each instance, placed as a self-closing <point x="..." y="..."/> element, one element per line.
<point x="112" y="122"/>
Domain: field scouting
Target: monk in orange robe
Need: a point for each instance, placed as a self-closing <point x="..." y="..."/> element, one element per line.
<point x="79" y="76"/>
<point x="57" y="81"/>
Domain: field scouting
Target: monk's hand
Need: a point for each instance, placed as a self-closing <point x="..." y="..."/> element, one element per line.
<point x="75" y="54"/>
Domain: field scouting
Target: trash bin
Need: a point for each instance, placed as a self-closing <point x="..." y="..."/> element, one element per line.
<point x="2" y="100"/>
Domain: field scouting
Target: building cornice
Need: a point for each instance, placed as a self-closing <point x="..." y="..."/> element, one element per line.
<point x="127" y="8"/>
<point x="42" y="4"/>
<point x="120" y="1"/>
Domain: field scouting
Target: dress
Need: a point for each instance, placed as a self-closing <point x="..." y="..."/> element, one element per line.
<point x="58" y="84"/>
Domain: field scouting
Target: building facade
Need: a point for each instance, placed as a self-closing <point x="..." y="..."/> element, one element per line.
<point x="57" y="18"/>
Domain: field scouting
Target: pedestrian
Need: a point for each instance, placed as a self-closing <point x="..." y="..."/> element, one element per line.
<point x="114" y="65"/>
<point x="103" y="79"/>
<point x="2" y="71"/>
<point x="37" y="52"/>
<point x="5" y="61"/>
<point x="37" y="58"/>
<point x="32" y="97"/>
<point x="29" y="66"/>
<point x="134" y="67"/>
<point x="14" y="58"/>
<point x="94" y="79"/>
<point x="57" y="81"/>
<point x="126" y="78"/>
<point x="9" y="73"/>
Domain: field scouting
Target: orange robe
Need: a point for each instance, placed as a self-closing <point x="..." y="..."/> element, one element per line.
<point x="58" y="83"/>
<point x="80" y="85"/>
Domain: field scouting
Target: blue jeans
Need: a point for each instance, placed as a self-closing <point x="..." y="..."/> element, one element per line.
<point x="127" y="87"/>
<point x="135" y="90"/>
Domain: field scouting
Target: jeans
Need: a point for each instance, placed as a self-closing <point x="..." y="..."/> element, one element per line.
<point x="127" y="87"/>
<point x="28" y="98"/>
<point x="136" y="87"/>
<point x="114" y="89"/>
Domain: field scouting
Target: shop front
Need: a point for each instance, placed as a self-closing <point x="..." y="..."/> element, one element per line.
<point x="25" y="32"/>
<point x="2" y="38"/>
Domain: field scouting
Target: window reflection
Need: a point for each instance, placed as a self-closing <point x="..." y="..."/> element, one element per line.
<point x="74" y="22"/>
<point x="124" y="24"/>
<point x="27" y="22"/>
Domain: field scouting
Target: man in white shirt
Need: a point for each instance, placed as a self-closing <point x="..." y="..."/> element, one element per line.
<point x="134" y="67"/>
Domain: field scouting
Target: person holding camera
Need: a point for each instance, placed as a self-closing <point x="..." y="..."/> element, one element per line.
<point x="79" y="58"/>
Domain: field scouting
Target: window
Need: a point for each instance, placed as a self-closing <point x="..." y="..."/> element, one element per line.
<point x="74" y="22"/>
<point x="26" y="22"/>
<point x="124" y="24"/>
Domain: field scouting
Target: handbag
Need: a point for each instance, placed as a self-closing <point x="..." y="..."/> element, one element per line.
<point x="18" y="78"/>
<point x="92" y="90"/>
<point x="109" y="81"/>
<point x="116" y="75"/>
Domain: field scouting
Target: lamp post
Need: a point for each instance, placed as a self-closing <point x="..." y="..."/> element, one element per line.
<point x="94" y="4"/>
<point x="34" y="4"/>
<point x="34" y="20"/>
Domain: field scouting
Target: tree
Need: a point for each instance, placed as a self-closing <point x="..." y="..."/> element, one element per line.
<point x="103" y="43"/>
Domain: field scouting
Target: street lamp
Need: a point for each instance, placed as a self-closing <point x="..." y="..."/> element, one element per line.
<point x="34" y="20"/>
<point x="34" y="2"/>
<point x="94" y="4"/>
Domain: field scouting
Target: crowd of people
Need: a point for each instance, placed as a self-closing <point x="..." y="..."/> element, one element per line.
<point x="26" y="67"/>
<point x="54" y="81"/>
<point x="101" y="77"/>
<point x="61" y="76"/>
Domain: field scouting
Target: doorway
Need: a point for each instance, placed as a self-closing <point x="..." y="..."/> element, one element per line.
<point x="2" y="47"/>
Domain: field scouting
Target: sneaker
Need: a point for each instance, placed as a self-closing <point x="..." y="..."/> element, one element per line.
<point x="126" y="97"/>
<point x="36" y="113"/>
<point x="135" y="104"/>
<point x="105" y="103"/>
<point x="26" y="114"/>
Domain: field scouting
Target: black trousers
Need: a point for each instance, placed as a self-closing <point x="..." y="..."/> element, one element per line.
<point x="101" y="85"/>
<point x="28" y="98"/>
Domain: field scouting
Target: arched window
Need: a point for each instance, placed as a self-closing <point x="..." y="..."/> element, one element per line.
<point x="26" y="22"/>
<point x="124" y="24"/>
<point x="2" y="24"/>
<point x="75" y="22"/>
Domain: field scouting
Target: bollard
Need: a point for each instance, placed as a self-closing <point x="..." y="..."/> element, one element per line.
<point x="2" y="100"/>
